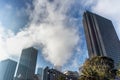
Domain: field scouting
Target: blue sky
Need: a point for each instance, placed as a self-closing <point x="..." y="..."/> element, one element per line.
<point x="12" y="12"/>
<point x="54" y="27"/>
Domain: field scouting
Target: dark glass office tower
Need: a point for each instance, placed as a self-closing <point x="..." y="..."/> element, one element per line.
<point x="7" y="69"/>
<point x="101" y="37"/>
<point x="27" y="64"/>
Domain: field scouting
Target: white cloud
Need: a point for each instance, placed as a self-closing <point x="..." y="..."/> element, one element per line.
<point x="48" y="30"/>
<point x="88" y="3"/>
<point x="2" y="44"/>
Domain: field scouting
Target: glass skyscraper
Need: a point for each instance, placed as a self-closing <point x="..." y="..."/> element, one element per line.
<point x="7" y="69"/>
<point x="27" y="64"/>
<point x="101" y="37"/>
<point x="40" y="73"/>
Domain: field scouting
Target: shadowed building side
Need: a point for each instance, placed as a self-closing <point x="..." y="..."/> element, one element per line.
<point x="101" y="37"/>
<point x="7" y="69"/>
<point x="53" y="74"/>
<point x="27" y="64"/>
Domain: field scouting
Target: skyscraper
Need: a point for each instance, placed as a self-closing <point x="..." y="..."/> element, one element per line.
<point x="7" y="69"/>
<point x="101" y="37"/>
<point x="27" y="64"/>
<point x="40" y="73"/>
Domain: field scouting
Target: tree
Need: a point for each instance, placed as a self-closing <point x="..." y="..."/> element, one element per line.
<point x="118" y="73"/>
<point x="99" y="68"/>
<point x="61" y="78"/>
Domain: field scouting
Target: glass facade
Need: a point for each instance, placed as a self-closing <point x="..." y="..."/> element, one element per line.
<point x="7" y="69"/>
<point x="101" y="37"/>
<point x="27" y="64"/>
<point x="40" y="73"/>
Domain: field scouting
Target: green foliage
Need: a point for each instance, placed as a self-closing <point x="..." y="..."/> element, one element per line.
<point x="89" y="78"/>
<point x="61" y="78"/>
<point x="98" y="68"/>
<point x="118" y="73"/>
